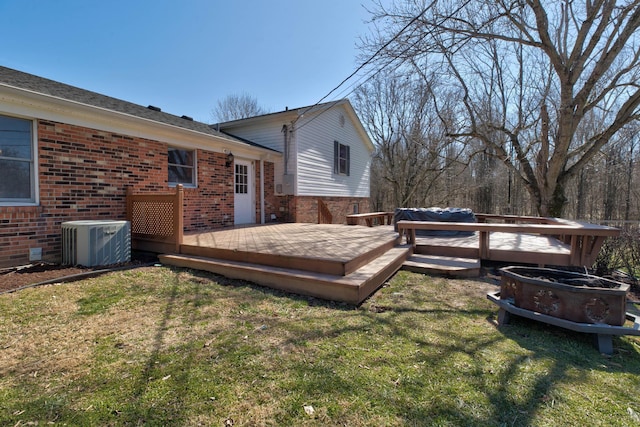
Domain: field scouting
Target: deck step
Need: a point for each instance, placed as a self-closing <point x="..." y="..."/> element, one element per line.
<point x="352" y="288"/>
<point x="443" y="265"/>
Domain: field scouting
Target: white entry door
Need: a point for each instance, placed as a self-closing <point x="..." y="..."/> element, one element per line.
<point x="244" y="207"/>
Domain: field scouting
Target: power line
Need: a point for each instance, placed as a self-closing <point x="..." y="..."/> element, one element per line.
<point x="370" y="59"/>
<point x="373" y="73"/>
<point x="362" y="80"/>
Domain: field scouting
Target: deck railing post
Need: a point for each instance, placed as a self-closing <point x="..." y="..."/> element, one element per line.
<point x="179" y="216"/>
<point x="483" y="242"/>
<point x="574" y="255"/>
<point x="129" y="202"/>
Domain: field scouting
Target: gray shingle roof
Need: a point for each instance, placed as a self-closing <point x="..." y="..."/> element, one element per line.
<point x="21" y="80"/>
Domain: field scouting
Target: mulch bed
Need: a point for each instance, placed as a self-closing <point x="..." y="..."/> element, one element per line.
<point x="32" y="274"/>
<point x="18" y="277"/>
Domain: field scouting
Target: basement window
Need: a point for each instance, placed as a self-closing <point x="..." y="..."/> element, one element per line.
<point x="17" y="161"/>
<point x="182" y="167"/>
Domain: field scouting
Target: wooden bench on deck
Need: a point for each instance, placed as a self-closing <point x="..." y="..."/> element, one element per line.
<point x="583" y="240"/>
<point x="381" y="218"/>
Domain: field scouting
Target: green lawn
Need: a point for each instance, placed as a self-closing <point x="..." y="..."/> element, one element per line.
<point x="160" y="346"/>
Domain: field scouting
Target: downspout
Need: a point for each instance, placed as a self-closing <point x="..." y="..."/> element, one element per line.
<point x="285" y="130"/>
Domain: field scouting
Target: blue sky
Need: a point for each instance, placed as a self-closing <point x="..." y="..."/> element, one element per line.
<point x="185" y="55"/>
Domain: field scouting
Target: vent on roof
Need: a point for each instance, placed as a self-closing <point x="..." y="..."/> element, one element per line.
<point x="154" y="108"/>
<point x="188" y="118"/>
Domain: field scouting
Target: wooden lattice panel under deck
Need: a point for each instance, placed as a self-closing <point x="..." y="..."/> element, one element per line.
<point x="152" y="218"/>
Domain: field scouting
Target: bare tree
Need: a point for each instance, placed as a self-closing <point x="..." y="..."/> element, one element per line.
<point x="527" y="73"/>
<point x="630" y="136"/>
<point x="410" y="154"/>
<point x="235" y="107"/>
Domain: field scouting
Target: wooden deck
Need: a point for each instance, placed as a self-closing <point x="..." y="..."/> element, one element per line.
<point x="531" y="240"/>
<point x="349" y="262"/>
<point x="504" y="247"/>
<point x="334" y="262"/>
<point x="321" y="248"/>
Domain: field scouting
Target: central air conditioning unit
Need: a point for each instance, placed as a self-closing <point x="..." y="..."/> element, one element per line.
<point x="98" y="242"/>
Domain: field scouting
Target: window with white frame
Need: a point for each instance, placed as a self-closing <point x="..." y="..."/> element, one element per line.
<point x="341" y="158"/>
<point x="17" y="165"/>
<point x="182" y="166"/>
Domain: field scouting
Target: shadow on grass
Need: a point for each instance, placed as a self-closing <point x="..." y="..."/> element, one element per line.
<point x="446" y="372"/>
<point x="560" y="351"/>
<point x="563" y="355"/>
<point x="135" y="411"/>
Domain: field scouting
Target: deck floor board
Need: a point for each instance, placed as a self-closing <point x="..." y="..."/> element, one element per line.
<point x="343" y="243"/>
<point x="519" y="242"/>
<point x="314" y="241"/>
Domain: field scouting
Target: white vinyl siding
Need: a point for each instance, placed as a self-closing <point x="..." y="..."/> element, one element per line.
<point x="311" y="161"/>
<point x="269" y="134"/>
<point x="316" y="161"/>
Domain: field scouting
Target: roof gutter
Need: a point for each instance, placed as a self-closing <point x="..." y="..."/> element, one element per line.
<point x="41" y="106"/>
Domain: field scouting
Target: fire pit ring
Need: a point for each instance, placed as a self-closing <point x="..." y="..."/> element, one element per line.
<point x="576" y="301"/>
<point x="567" y="295"/>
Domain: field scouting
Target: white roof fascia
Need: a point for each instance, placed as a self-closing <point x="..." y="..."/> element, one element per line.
<point x="40" y="106"/>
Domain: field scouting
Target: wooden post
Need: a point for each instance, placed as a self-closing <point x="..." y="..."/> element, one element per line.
<point x="129" y="202"/>
<point x="410" y="234"/>
<point x="484" y="243"/>
<point x="574" y="255"/>
<point x="178" y="213"/>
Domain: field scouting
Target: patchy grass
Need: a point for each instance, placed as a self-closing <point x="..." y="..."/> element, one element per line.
<point x="160" y="346"/>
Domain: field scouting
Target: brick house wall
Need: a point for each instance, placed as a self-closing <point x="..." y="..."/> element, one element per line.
<point x="84" y="174"/>
<point x="271" y="203"/>
<point x="305" y="208"/>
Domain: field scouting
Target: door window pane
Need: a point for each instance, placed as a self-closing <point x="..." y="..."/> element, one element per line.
<point x="242" y="179"/>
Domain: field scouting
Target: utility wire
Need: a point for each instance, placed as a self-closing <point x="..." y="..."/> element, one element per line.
<point x="361" y="80"/>
<point x="370" y="59"/>
<point x="373" y="73"/>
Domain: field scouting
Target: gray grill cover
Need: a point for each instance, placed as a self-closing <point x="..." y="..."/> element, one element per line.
<point x="437" y="215"/>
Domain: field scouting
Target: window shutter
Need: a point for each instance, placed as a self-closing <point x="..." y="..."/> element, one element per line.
<point x="348" y="160"/>
<point x="336" y="157"/>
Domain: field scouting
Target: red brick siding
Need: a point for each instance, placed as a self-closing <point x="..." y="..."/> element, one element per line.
<point x="210" y="205"/>
<point x="271" y="204"/>
<point x="84" y="174"/>
<point x="305" y="208"/>
<point x="286" y="208"/>
<point x="19" y="227"/>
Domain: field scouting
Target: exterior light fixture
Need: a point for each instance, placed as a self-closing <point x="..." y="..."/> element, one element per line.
<point x="229" y="159"/>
